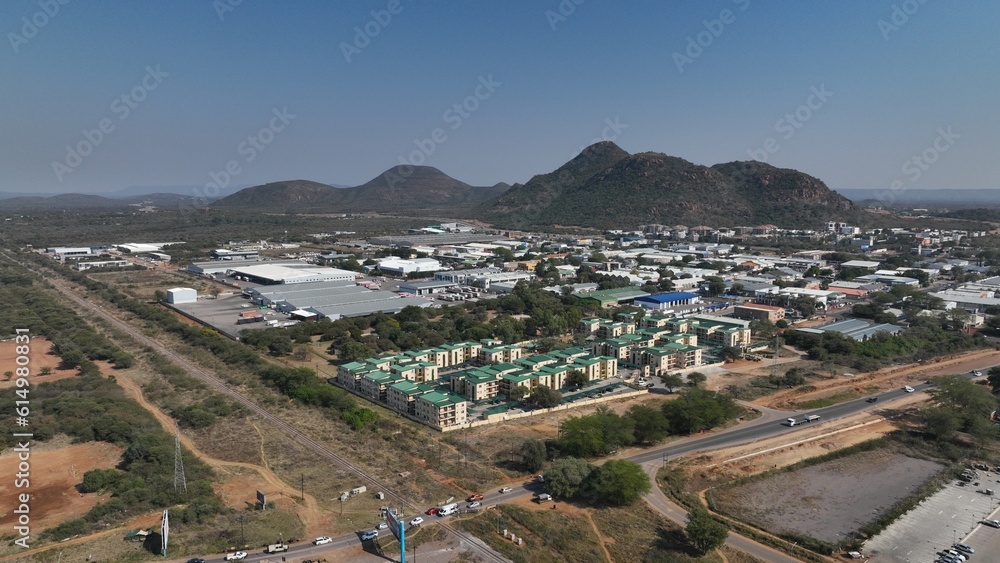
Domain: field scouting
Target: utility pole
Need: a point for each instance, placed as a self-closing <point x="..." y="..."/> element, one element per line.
<point x="302" y="486"/>
<point x="243" y="540"/>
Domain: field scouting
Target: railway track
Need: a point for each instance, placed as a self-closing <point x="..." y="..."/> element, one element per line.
<point x="293" y="432"/>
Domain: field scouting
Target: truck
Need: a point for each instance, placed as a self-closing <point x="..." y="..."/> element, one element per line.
<point x="791" y="421"/>
<point x="276" y="548"/>
<point x="448" y="509"/>
<point x="810" y="418"/>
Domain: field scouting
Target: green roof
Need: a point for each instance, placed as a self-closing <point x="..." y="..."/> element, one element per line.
<point x="440" y="399"/>
<point x="479" y="377"/>
<point x="408" y="387"/>
<point x="353" y="366"/>
<point x="520" y="376"/>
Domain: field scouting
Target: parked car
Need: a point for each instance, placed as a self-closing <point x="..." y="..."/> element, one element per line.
<point x="322" y="540"/>
<point x="992" y="523"/>
<point x="417" y="521"/>
<point x="236" y="556"/>
<point x="505" y="490"/>
<point x="965" y="548"/>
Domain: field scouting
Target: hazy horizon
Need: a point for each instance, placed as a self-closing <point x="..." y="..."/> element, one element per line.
<point x="102" y="97"/>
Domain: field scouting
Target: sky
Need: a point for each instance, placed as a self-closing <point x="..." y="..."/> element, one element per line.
<point x="98" y="95"/>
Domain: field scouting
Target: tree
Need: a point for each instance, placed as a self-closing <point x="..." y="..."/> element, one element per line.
<point x="214" y="291"/>
<point x="618" y="482"/>
<point x="355" y="351"/>
<point x="650" y="424"/>
<point x="730" y="353"/>
<point x="696" y="378"/>
<point x="300" y="353"/>
<point x="576" y="378"/>
<point x="941" y="424"/>
<point x="533" y="455"/>
<point x="518" y="392"/>
<point x="545" y="397"/>
<point x="159" y="295"/>
<point x="793" y="377"/>
<point x="565" y="478"/>
<point x="715" y="285"/>
<point x="671" y="381"/>
<point x="992" y="377"/>
<point x="704" y="532"/>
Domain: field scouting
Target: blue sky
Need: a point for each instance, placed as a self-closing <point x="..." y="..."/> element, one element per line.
<point x="709" y="81"/>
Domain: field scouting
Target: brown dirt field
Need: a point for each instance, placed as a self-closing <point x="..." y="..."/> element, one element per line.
<point x="239" y="478"/>
<point x="40" y="355"/>
<point x="56" y="468"/>
<point x="831" y="500"/>
<point x="887" y="378"/>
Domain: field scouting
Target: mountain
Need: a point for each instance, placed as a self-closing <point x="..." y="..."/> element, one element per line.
<point x="605" y="187"/>
<point x="401" y="188"/>
<point x="280" y="196"/>
<point x="61" y="201"/>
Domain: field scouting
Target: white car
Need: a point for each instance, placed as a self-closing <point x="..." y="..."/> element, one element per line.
<point x="417" y="521"/>
<point x="381" y="526"/>
<point x="909" y="389"/>
<point x="322" y="540"/>
<point x="475" y="504"/>
<point x="505" y="490"/>
<point x="976" y="373"/>
<point x="236" y="556"/>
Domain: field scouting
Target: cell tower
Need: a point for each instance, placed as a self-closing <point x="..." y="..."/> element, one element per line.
<point x="180" y="481"/>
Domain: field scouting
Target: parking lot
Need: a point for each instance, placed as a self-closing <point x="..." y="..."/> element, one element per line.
<point x="222" y="313"/>
<point x="950" y="516"/>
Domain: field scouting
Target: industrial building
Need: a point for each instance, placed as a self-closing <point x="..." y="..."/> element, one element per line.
<point x="665" y="301"/>
<point x="71" y="253"/>
<point x="179" y="295"/>
<point x="409" y="241"/>
<point x="613" y="297"/>
<point x="426" y="287"/>
<point x="220" y="267"/>
<point x="399" y="267"/>
<point x="81" y="266"/>
<point x="857" y="329"/>
<point x="226" y="254"/>
<point x="331" y="299"/>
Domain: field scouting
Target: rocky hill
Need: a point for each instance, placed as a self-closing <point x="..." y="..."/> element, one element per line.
<point x="605" y="187"/>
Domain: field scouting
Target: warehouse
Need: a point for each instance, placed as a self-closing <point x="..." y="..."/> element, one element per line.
<point x="220" y="267"/>
<point x="426" y="287"/>
<point x="664" y="301"/>
<point x="332" y="300"/>
<point x="399" y="267"/>
<point x="296" y="272"/>
<point x="180" y="295"/>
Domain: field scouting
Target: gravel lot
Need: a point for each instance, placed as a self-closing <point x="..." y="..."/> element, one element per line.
<point x="830" y="500"/>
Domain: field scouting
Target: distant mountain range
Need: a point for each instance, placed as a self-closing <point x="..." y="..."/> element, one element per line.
<point x="937" y="197"/>
<point x="400" y="189"/>
<point x="602" y="187"/>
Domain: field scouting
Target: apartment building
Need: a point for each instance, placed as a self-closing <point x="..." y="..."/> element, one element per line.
<point x="441" y="409"/>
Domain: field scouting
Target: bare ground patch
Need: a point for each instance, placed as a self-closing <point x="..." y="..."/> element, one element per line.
<point x="830" y="500"/>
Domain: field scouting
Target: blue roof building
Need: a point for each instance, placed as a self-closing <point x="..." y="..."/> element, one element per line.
<point x="662" y="301"/>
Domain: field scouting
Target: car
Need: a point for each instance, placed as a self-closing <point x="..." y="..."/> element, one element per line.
<point x="965" y="548"/>
<point x="976" y="373"/>
<point x="871" y="399"/>
<point x="369" y="535"/>
<point x="475" y="497"/>
<point x="417" y="521"/>
<point x="236" y="556"/>
<point x="322" y="540"/>
<point x="992" y="523"/>
<point x="432" y="511"/>
<point x="540" y="478"/>
<point x="476" y="504"/>
<point x="505" y="490"/>
<point x="908" y="389"/>
<point x="196" y="560"/>
<point x="381" y="526"/>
